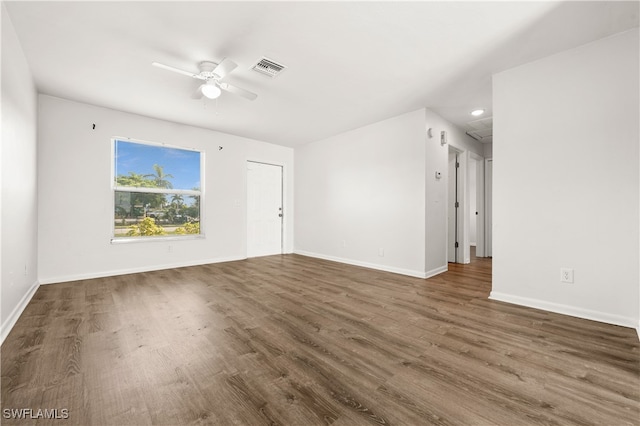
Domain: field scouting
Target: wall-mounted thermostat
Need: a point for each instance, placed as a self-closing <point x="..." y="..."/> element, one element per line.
<point x="443" y="137"/>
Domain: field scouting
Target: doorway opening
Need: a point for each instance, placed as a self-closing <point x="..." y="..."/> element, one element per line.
<point x="453" y="207"/>
<point x="476" y="211"/>
<point x="473" y="212"/>
<point x="468" y="216"/>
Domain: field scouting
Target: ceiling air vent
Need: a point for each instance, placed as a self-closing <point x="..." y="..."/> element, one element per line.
<point x="268" y="67"/>
<point x="480" y="130"/>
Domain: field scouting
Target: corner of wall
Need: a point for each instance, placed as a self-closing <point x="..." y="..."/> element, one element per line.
<point x="19" y="242"/>
<point x="11" y="320"/>
<point x="361" y="192"/>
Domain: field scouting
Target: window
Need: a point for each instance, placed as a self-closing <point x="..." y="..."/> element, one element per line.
<point x="156" y="191"/>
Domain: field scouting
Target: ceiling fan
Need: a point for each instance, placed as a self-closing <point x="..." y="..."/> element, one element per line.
<point x="212" y="74"/>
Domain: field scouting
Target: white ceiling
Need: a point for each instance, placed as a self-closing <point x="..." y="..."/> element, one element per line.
<point x="349" y="63"/>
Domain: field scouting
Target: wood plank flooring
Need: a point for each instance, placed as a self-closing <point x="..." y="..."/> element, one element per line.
<point x="292" y="340"/>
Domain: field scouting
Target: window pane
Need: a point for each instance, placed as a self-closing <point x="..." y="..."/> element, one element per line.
<point x="141" y="214"/>
<point x="152" y="166"/>
<point x="156" y="190"/>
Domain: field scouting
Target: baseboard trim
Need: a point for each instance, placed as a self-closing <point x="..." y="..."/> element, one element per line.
<point x="89" y="276"/>
<point x="401" y="271"/>
<point x="638" y="329"/>
<point x="17" y="311"/>
<point x="565" y="309"/>
<point x="437" y="271"/>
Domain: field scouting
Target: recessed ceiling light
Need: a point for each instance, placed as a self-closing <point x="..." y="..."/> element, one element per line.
<point x="477" y="112"/>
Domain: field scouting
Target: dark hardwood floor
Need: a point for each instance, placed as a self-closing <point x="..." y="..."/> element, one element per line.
<point x="293" y="340"/>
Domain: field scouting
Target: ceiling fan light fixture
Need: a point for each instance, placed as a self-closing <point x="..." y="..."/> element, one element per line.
<point x="211" y="73"/>
<point x="210" y="90"/>
<point x="477" y="112"/>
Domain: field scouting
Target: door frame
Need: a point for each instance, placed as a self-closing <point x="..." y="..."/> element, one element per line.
<point x="488" y="207"/>
<point x="283" y="203"/>
<point x="479" y="207"/>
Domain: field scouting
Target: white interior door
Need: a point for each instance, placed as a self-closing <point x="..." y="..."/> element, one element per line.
<point x="452" y="208"/>
<point x="488" y="179"/>
<point x="264" y="209"/>
<point x="473" y="210"/>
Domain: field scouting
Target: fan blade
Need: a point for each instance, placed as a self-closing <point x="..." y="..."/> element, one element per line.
<point x="179" y="71"/>
<point x="238" y="91"/>
<point x="224" y="68"/>
<point x="198" y="93"/>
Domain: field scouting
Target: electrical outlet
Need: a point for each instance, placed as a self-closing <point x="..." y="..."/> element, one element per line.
<point x="566" y="275"/>
<point x="170" y="249"/>
<point x="344" y="243"/>
<point x="381" y="252"/>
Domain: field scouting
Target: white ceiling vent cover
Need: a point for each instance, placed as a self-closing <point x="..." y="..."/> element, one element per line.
<point x="268" y="67"/>
<point x="480" y="129"/>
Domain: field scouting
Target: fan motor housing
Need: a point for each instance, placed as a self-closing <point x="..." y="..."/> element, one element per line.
<point x="206" y="69"/>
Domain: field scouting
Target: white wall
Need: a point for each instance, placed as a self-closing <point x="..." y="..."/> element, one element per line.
<point x="75" y="198"/>
<point x="375" y="187"/>
<point x="566" y="183"/>
<point x="18" y="225"/>
<point x="362" y="191"/>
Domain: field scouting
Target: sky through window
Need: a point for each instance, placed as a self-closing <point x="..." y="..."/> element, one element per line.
<point x="182" y="164"/>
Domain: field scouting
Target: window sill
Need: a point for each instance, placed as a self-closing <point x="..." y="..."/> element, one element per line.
<point x="129" y="240"/>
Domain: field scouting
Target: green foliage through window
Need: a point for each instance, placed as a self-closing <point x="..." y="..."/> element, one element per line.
<point x="189" y="228"/>
<point x="145" y="228"/>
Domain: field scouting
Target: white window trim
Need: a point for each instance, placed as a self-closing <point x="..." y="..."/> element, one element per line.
<point x="156" y="190"/>
<point x="114" y="188"/>
<point x="158" y="238"/>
